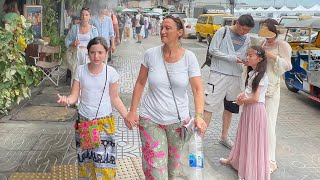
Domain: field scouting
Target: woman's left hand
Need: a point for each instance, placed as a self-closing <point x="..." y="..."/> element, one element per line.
<point x="200" y="124"/>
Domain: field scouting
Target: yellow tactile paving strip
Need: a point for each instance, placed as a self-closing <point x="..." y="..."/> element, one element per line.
<point x="127" y="169"/>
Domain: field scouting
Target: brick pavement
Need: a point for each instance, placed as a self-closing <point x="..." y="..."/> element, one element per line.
<point x="37" y="144"/>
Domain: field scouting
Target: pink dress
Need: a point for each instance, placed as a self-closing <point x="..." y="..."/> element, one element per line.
<point x="249" y="154"/>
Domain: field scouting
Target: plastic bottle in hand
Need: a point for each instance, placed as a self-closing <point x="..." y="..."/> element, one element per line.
<point x="196" y="157"/>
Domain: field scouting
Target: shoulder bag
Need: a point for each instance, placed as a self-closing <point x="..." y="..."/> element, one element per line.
<point x="89" y="130"/>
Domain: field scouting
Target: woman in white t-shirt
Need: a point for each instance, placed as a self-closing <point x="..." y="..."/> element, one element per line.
<point x="98" y="84"/>
<point x="162" y="112"/>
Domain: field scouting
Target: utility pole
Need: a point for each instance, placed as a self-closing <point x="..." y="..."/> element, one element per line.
<point x="189" y="8"/>
<point x="231" y="2"/>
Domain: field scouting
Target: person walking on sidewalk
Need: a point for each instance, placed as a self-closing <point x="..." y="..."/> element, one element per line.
<point x="138" y="24"/>
<point x="249" y="154"/>
<point x="169" y="69"/>
<point x="278" y="53"/>
<point x="127" y="27"/>
<point x="78" y="37"/>
<point x="105" y="28"/>
<point x="228" y="49"/>
<point x="95" y="128"/>
<point x="104" y="25"/>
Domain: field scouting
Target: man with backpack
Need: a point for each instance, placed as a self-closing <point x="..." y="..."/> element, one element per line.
<point x="139" y="23"/>
<point x="228" y="49"/>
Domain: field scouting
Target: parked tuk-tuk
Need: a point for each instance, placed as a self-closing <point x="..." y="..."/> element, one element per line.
<point x="304" y="38"/>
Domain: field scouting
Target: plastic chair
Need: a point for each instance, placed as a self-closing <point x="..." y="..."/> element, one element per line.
<point x="50" y="64"/>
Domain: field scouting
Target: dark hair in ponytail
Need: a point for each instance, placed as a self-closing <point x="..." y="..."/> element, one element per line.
<point x="260" y="69"/>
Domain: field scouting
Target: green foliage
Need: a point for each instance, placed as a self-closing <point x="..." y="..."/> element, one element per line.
<point x="16" y="77"/>
<point x="76" y="4"/>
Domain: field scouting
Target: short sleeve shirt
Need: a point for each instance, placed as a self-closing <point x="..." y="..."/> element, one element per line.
<point x="91" y="91"/>
<point x="237" y="41"/>
<point x="263" y="83"/>
<point x="158" y="103"/>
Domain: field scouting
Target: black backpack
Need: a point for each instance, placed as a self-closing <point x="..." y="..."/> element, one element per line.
<point x="209" y="56"/>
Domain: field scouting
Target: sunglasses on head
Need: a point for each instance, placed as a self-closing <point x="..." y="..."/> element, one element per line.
<point x="85" y="8"/>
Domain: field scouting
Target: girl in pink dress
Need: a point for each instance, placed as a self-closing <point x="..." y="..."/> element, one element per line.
<point x="249" y="154"/>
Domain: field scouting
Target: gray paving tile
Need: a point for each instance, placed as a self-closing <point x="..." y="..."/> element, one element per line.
<point x="57" y="142"/>
<point x="44" y="113"/>
<point x="17" y="142"/>
<point x="42" y="161"/>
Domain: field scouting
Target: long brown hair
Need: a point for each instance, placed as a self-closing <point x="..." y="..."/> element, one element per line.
<point x="260" y="69"/>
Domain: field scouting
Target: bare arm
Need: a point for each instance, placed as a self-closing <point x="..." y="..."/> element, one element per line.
<point x="138" y="88"/>
<point x="197" y="90"/>
<point x="116" y="101"/>
<point x="137" y="93"/>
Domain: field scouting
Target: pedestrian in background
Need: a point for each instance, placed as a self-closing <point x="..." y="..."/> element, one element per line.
<point x="78" y="38"/>
<point x="278" y="53"/>
<point x="98" y="84"/>
<point x="104" y="25"/>
<point x="10" y="7"/>
<point x="138" y="24"/>
<point x="127" y="27"/>
<point x="169" y="69"/>
<point x="133" y="22"/>
<point x="228" y="48"/>
<point x="249" y="154"/>
<point x="146" y="26"/>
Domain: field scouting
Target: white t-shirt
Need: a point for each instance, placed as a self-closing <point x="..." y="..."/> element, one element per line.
<point x="263" y="83"/>
<point x="138" y="16"/>
<point x="158" y="103"/>
<point x="91" y="91"/>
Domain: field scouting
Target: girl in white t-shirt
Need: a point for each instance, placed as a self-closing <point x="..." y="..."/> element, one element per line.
<point x="98" y="84"/>
<point x="249" y="155"/>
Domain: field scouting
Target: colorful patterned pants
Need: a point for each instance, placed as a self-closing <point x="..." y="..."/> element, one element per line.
<point x="161" y="149"/>
<point x="98" y="163"/>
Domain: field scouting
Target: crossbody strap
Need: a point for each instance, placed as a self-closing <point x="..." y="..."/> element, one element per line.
<point x="174" y="97"/>
<point x="104" y="87"/>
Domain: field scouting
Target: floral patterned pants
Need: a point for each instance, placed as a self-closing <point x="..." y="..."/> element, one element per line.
<point x="161" y="149"/>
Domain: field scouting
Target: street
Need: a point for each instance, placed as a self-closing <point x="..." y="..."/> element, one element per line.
<point x="37" y="135"/>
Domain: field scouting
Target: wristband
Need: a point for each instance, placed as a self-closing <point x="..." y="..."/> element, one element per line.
<point x="199" y="115"/>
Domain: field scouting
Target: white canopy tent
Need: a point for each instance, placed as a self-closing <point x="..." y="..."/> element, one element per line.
<point x="299" y="10"/>
<point x="315" y="9"/>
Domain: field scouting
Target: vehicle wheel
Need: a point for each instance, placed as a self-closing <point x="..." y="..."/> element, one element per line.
<point x="208" y="39"/>
<point x="291" y="88"/>
<point x="199" y="38"/>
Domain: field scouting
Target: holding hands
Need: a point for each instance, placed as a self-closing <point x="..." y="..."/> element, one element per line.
<point x="131" y="120"/>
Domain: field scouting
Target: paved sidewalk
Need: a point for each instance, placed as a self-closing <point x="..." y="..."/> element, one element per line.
<point x="38" y="134"/>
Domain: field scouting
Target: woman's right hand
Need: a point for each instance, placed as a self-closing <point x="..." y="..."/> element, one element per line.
<point x="132" y="120"/>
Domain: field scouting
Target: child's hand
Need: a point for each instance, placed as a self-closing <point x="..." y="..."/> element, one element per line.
<point x="239" y="102"/>
<point x="63" y="100"/>
<point x="131" y="120"/>
<point x="241" y="96"/>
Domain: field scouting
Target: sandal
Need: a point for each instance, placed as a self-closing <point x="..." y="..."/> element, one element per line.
<point x="273" y="167"/>
<point x="226" y="142"/>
